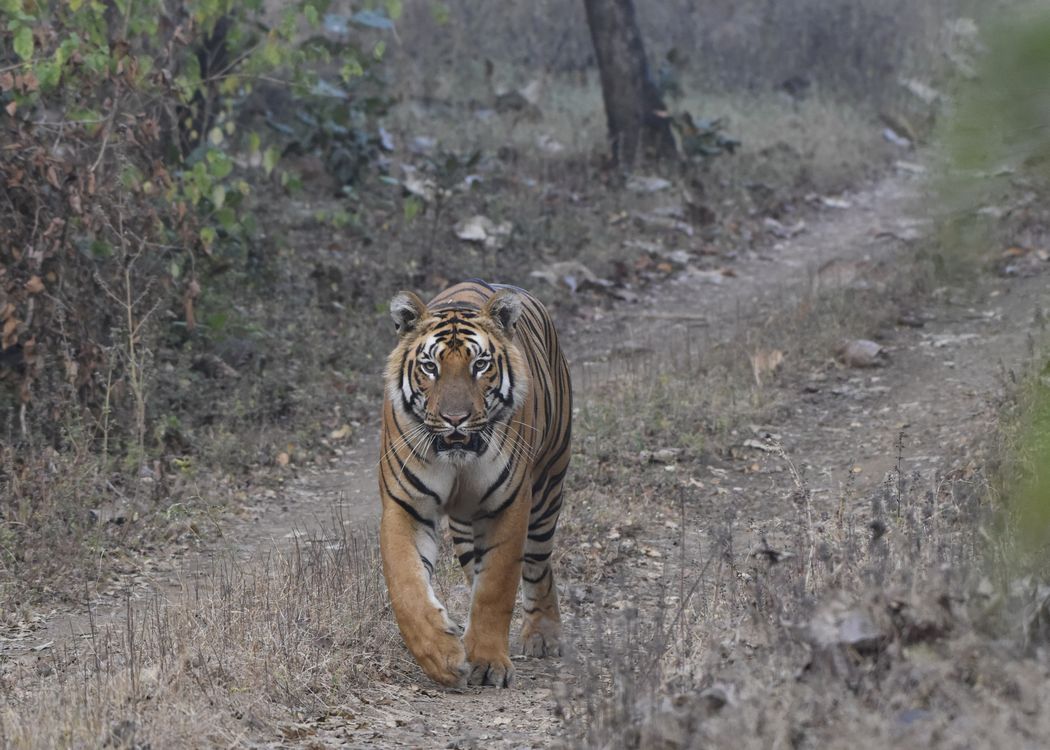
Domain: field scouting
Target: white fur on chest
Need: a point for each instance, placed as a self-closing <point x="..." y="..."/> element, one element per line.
<point x="461" y="484"/>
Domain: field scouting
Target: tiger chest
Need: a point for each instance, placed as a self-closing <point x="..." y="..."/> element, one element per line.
<point x="476" y="485"/>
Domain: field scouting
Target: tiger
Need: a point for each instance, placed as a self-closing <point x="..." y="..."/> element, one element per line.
<point x="477" y="427"/>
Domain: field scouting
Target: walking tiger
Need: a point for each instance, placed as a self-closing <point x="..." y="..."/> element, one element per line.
<point x="477" y="424"/>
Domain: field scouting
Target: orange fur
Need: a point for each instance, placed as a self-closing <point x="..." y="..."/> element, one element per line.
<point x="476" y="427"/>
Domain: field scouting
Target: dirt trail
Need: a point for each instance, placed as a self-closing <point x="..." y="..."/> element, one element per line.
<point x="938" y="388"/>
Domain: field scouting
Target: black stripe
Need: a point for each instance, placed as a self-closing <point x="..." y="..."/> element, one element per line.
<point x="411" y="511"/>
<point x="482" y="282"/>
<point x="537" y="579"/>
<point x="553" y="508"/>
<point x="419" y="485"/>
<point x="465" y="558"/>
<point x="544" y="536"/>
<point x="506" y="503"/>
<point x="499" y="481"/>
<point x="562" y="447"/>
<point x="552" y="482"/>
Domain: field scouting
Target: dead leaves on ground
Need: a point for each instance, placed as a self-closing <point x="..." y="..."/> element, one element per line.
<point x="482" y="230"/>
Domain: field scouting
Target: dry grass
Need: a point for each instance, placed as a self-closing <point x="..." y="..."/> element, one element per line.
<point x="896" y="617"/>
<point x="816" y="143"/>
<point x="241" y="651"/>
<point x="698" y="386"/>
<point x="846" y="620"/>
<point x="744" y="636"/>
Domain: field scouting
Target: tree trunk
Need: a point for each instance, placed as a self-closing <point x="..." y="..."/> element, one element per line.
<point x="638" y="127"/>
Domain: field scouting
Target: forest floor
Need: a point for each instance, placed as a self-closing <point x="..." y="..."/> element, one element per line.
<point x="657" y="523"/>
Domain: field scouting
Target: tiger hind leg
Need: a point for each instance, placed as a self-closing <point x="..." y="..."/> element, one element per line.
<point x="541" y="631"/>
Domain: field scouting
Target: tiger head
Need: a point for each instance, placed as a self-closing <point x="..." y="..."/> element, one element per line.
<point x="456" y="372"/>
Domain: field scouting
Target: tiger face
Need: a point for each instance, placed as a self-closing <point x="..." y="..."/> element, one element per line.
<point x="456" y="372"/>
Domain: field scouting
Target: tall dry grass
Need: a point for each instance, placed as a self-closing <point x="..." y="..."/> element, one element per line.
<point x="240" y="651"/>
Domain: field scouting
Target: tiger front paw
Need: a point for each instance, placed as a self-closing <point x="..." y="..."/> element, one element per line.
<point x="489" y="665"/>
<point x="442" y="657"/>
<point x="495" y="671"/>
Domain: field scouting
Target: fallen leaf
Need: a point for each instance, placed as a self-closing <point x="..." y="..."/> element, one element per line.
<point x="283" y="459"/>
<point x="9" y="334"/>
<point x="418" y="186"/>
<point x="483" y="230"/>
<point x="340" y="434"/>
<point x="656" y="221"/>
<point x="835" y="202"/>
<point x="910" y="167"/>
<point x="572" y="275"/>
<point x="386" y="141"/>
<point x="34" y="285"/>
<point x="647" y="184"/>
<point x="549" y="144"/>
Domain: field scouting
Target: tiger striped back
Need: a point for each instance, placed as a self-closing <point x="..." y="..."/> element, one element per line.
<point x="476" y="427"/>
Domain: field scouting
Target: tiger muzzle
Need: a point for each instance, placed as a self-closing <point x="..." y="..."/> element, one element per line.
<point x="459" y="441"/>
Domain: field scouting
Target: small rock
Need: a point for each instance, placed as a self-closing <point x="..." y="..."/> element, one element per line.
<point x="717" y="697"/>
<point x="781" y="230"/>
<point x="861" y="353"/>
<point x="646" y="184"/>
<point x="422" y="144"/>
<point x="897" y="140"/>
<point x="839" y="624"/>
<point x="661" y="456"/>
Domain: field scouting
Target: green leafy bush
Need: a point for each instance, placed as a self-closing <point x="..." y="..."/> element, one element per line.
<point x="126" y="169"/>
<point x="133" y="134"/>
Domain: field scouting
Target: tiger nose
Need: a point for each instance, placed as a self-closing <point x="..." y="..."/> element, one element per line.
<point x="455" y="419"/>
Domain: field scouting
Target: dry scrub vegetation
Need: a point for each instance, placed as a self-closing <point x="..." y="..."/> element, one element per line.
<point x="216" y="368"/>
<point x="238" y="652"/>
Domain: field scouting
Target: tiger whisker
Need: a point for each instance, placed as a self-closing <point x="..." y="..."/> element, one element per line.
<point x="519" y="448"/>
<point x="408" y="440"/>
<point x="401" y="441"/>
<point x="412" y="451"/>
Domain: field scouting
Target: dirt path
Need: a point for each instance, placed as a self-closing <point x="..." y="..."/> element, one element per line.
<point x="937" y="388"/>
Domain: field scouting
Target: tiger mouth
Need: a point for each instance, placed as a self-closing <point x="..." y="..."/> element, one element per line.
<point x="458" y="441"/>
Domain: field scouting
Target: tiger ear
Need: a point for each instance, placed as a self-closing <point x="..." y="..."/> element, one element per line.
<point x="504" y="308"/>
<point x="406" y="308"/>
